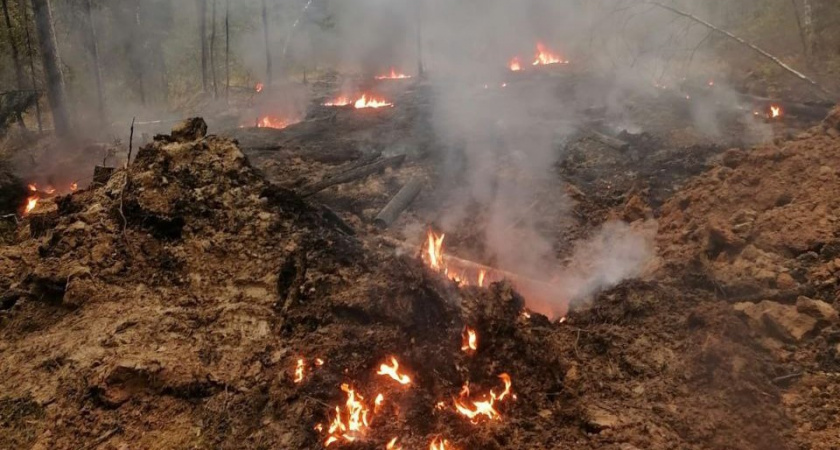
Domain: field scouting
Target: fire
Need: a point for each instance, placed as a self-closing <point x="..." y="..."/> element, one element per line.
<point x="475" y="410"/>
<point x="377" y="402"/>
<point x="545" y="57"/>
<point x="352" y="422"/>
<point x="364" y="102"/>
<point x="340" y="101"/>
<point x="393" y="76"/>
<point x="439" y="443"/>
<point x="299" y="370"/>
<point x="434" y="250"/>
<point x="74" y="186"/>
<point x="775" y="111"/>
<point x="319" y="362"/>
<point x="273" y="122"/>
<point x="33" y="187"/>
<point x="481" y="274"/>
<point x="515" y="65"/>
<point x="393" y="372"/>
<point x="258" y="87"/>
<point x="31" y="202"/>
<point x="469" y="341"/>
<point x="392" y="445"/>
<point x="432" y="255"/>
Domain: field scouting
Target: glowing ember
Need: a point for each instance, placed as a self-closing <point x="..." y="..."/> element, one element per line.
<point x="258" y="87"/>
<point x="350" y="423"/>
<point x="393" y="372"/>
<point x="475" y="410"/>
<point x="393" y="76"/>
<point x="299" y="370"/>
<point x="711" y="83"/>
<point x="515" y="65"/>
<point x="340" y="101"/>
<point x="319" y="362"/>
<point x="49" y="190"/>
<point x="392" y="445"/>
<point x="366" y="102"/>
<point x="469" y="340"/>
<point x="30" y="204"/>
<point x="74" y="186"/>
<point x="545" y="57"/>
<point x="440" y="444"/>
<point x="273" y="122"/>
<point x="775" y="111"/>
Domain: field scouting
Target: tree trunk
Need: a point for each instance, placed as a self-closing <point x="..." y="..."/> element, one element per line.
<point x="15" y="56"/>
<point x="33" y="77"/>
<point x="213" y="49"/>
<point x="52" y="66"/>
<point x="202" y="36"/>
<point x="93" y="48"/>
<point x="227" y="50"/>
<point x="267" y="46"/>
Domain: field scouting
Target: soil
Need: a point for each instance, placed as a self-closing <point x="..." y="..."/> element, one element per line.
<point x="169" y="307"/>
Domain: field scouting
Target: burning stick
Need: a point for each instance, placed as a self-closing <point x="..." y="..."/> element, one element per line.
<point x="398" y="204"/>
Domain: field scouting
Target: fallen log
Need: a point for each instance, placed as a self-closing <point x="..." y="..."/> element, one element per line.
<point x="352" y="175"/>
<point x="607" y="140"/>
<point x="398" y="203"/>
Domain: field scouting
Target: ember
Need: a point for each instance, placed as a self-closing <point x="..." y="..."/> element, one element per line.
<point x="393" y="76"/>
<point x="393" y="372"/>
<point x="258" y="87"/>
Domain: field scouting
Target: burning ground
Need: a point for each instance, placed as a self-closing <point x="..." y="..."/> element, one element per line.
<point x="196" y="301"/>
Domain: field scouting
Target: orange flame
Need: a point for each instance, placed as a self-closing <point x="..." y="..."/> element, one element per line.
<point x="486" y="408"/>
<point x="319" y="362"/>
<point x="273" y="122"/>
<point x="31" y="202"/>
<point x="393" y="372"/>
<point x="392" y="445"/>
<point x="299" y="370"/>
<point x="393" y="76"/>
<point x="351" y="423"/>
<point x="33" y="187"/>
<point x="364" y="102"/>
<point x="74" y="186"/>
<point x="340" y="101"/>
<point x="258" y="87"/>
<point x="434" y="250"/>
<point x="546" y="57"/>
<point x="481" y="274"/>
<point x="377" y="403"/>
<point x="439" y="443"/>
<point x="469" y="340"/>
<point x="515" y="65"/>
<point x="775" y="111"/>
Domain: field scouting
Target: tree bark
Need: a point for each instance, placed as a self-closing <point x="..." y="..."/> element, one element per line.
<point x="227" y="51"/>
<point x="213" y="49"/>
<point x="93" y="48"/>
<point x="33" y="78"/>
<point x="202" y="36"/>
<point x="267" y="46"/>
<point x="15" y="56"/>
<point x="52" y="66"/>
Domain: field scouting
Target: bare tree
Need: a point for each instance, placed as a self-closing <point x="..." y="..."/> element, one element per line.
<point x="93" y="49"/>
<point x="267" y="46"/>
<point x="31" y="55"/>
<point x="213" y="48"/>
<point x="15" y="55"/>
<point x="52" y="66"/>
<point x="202" y="36"/>
<point x="227" y="50"/>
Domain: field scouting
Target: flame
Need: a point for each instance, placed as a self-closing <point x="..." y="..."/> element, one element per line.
<point x="481" y="274"/>
<point x="439" y="443"/>
<point x="393" y="76"/>
<point x="273" y="122"/>
<point x="33" y="187"/>
<point x="319" y="362"/>
<point x="340" y="101"/>
<point x="49" y="190"/>
<point x="469" y="341"/>
<point x="30" y="204"/>
<point x="392" y="445"/>
<point x="775" y="111"/>
<point x="74" y="186"/>
<point x="351" y="423"/>
<point x="393" y="372"/>
<point x="434" y="253"/>
<point x="711" y="83"/>
<point x="475" y="410"/>
<point x="377" y="403"/>
<point x="258" y="87"/>
<point x="364" y="102"/>
<point x="515" y="65"/>
<point x="546" y="57"/>
<point x="299" y="370"/>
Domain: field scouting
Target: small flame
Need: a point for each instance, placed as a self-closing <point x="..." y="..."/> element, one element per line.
<point x="545" y="57"/>
<point x="775" y="111"/>
<point x="319" y="362"/>
<point x="364" y="102"/>
<point x="377" y="403"/>
<point x="340" y="101"/>
<point x="475" y="410"/>
<point x="258" y="87"/>
<point x="393" y="76"/>
<point x="74" y="186"/>
<point x="481" y="274"/>
<point x="434" y="253"/>
<point x="439" y="443"/>
<point x="299" y="370"/>
<point x="31" y="202"/>
<point x="711" y="83"/>
<point x="393" y="372"/>
<point x="49" y="190"/>
<point x="392" y="445"/>
<point x="469" y="341"/>
<point x="515" y="65"/>
<point x="33" y="187"/>
<point x="351" y="423"/>
<point x="273" y="122"/>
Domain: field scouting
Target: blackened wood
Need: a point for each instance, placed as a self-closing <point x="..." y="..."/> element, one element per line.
<point x="352" y="175"/>
<point x="101" y="175"/>
<point x="398" y="204"/>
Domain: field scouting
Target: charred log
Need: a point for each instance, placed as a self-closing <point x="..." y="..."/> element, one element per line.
<point x="398" y="203"/>
<point x="352" y="175"/>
